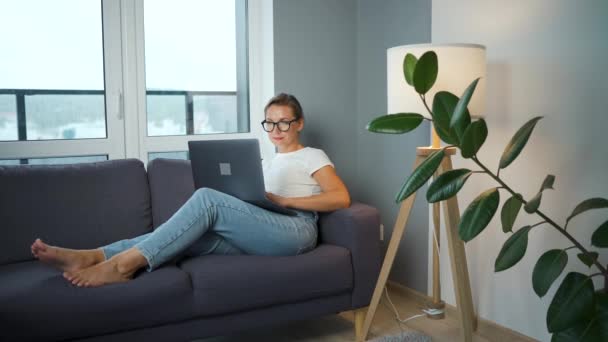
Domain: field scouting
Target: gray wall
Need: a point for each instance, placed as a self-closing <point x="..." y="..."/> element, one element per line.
<point x="331" y="54"/>
<point x="544" y="57"/>
<point x="314" y="44"/>
<point x="384" y="161"/>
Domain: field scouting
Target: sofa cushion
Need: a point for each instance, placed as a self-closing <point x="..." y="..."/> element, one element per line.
<point x="76" y="206"/>
<point x="224" y="284"/>
<point x="171" y="185"/>
<point x="37" y="303"/>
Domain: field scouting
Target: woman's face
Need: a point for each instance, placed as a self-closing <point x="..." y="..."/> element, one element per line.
<point x="284" y="141"/>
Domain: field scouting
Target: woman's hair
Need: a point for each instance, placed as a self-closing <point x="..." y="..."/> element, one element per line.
<point x="288" y="100"/>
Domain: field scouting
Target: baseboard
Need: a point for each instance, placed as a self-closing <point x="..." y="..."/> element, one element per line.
<point x="487" y="329"/>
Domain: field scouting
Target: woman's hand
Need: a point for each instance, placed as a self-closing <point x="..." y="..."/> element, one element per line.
<point x="280" y="200"/>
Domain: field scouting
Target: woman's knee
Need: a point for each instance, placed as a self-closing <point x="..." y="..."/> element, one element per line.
<point x="207" y="195"/>
<point x="204" y="192"/>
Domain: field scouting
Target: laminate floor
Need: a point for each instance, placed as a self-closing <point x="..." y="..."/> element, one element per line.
<point x="340" y="328"/>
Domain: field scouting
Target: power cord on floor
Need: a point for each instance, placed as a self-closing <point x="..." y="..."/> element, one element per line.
<point x="427" y="311"/>
<point x="397" y="316"/>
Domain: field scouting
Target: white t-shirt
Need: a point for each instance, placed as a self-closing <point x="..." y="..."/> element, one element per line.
<point x="290" y="174"/>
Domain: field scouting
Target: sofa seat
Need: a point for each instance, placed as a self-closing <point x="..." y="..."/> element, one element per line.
<point x="37" y="303"/>
<point x="226" y="284"/>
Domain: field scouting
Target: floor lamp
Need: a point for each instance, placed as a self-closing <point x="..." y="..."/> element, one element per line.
<point x="459" y="65"/>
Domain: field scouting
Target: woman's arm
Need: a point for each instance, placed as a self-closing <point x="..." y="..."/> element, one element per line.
<point x="333" y="196"/>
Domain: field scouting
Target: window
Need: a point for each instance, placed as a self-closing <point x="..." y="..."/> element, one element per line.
<point x="59" y="71"/>
<point x="52" y="84"/>
<point x="169" y="155"/>
<point x="58" y="160"/>
<point x="8" y="117"/>
<point x="191" y="67"/>
<point x="196" y="74"/>
<point x="9" y="162"/>
<point x="130" y="78"/>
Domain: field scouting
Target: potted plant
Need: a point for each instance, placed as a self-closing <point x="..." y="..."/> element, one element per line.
<point x="578" y="312"/>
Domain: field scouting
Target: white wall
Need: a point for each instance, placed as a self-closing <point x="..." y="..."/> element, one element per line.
<point x="545" y="57"/>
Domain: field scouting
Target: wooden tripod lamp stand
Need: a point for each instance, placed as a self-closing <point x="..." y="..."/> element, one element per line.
<point x="459" y="64"/>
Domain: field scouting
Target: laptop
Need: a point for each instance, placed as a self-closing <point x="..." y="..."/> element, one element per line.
<point x="233" y="167"/>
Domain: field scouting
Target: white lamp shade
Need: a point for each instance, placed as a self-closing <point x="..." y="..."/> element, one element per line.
<point x="459" y="65"/>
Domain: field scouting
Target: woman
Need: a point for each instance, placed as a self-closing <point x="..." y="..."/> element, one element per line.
<point x="211" y="222"/>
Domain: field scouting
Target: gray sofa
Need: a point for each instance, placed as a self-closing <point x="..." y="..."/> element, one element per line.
<point x="88" y="205"/>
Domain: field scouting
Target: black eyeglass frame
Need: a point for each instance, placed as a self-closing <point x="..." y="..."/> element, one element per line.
<point x="276" y="124"/>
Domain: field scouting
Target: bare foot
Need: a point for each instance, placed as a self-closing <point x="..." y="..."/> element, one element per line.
<point x="97" y="275"/>
<point x="66" y="259"/>
<point x="118" y="269"/>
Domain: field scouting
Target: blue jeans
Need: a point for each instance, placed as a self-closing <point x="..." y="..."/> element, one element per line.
<point x="212" y="222"/>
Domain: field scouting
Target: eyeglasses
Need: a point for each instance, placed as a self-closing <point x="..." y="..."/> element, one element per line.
<point x="283" y="126"/>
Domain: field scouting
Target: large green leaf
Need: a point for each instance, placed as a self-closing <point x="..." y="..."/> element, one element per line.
<point x="444" y="103"/>
<point x="425" y="73"/>
<point x="601" y="309"/>
<point x="460" y="118"/>
<point x="534" y="203"/>
<point x="395" y="123"/>
<point x="517" y="143"/>
<point x="509" y="212"/>
<point x="474" y="137"/>
<point x="588" y="204"/>
<point x="422" y="173"/>
<point x="591" y="330"/>
<point x="600" y="236"/>
<point x="573" y="302"/>
<point x="588" y="259"/>
<point x="409" y="65"/>
<point x="587" y="331"/>
<point x="447" y="185"/>
<point x="548" y="267"/>
<point x="478" y="214"/>
<point x="513" y="250"/>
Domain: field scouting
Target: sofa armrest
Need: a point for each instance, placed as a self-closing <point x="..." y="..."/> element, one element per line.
<point x="356" y="228"/>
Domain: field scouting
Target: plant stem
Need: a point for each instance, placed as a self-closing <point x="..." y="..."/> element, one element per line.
<point x="550" y="221"/>
<point x="538" y="224"/>
<point x="427" y="107"/>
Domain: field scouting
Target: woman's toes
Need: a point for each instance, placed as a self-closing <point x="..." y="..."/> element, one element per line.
<point x="72" y="278"/>
<point x="39" y="245"/>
